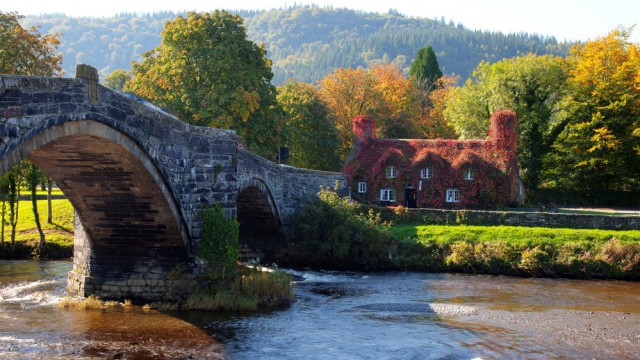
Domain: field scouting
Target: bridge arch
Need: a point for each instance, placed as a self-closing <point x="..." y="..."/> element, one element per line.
<point x="129" y="216"/>
<point x="259" y="218"/>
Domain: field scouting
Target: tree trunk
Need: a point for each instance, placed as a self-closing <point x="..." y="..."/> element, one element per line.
<point x="4" y="211"/>
<point x="34" y="204"/>
<point x="49" y="210"/>
<point x="14" y="221"/>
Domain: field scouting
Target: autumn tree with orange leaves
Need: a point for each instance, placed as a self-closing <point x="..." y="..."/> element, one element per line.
<point x="26" y="51"/>
<point x="381" y="91"/>
<point x="602" y="146"/>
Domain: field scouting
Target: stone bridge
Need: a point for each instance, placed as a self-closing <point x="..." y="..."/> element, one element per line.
<point x="139" y="178"/>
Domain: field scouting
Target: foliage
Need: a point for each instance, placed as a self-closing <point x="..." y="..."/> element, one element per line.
<point x="602" y="147"/>
<point x="381" y="91"/>
<point x="492" y="162"/>
<point x="311" y="136"/>
<point x="511" y="250"/>
<point x="268" y="288"/>
<point x="117" y="79"/>
<point x="209" y="74"/>
<point x="220" y="241"/>
<point x="339" y="233"/>
<point x="27" y="51"/>
<point x="535" y="87"/>
<point x="304" y="42"/>
<point x="425" y="70"/>
<point x="434" y="124"/>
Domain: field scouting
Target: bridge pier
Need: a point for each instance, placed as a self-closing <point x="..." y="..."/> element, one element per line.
<point x="149" y="280"/>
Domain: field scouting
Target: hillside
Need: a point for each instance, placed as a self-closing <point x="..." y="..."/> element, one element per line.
<point x="303" y="42"/>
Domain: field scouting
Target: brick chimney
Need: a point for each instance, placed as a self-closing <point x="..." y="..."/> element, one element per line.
<point x="364" y="127"/>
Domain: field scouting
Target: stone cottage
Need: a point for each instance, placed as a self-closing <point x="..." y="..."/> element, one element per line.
<point x="435" y="173"/>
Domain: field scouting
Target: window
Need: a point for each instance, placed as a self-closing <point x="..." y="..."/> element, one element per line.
<point x="468" y="174"/>
<point x="391" y="172"/>
<point x="387" y="195"/>
<point x="426" y="173"/>
<point x="453" y="195"/>
<point x="362" y="187"/>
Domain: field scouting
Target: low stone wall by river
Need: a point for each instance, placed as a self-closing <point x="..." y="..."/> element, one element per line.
<point x="517" y="218"/>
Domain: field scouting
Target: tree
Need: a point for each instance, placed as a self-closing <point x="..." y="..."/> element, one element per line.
<point x="425" y="70"/>
<point x="15" y="180"/>
<point x="311" y="136"/>
<point x="26" y="51"/>
<point x="380" y="91"/>
<point x="434" y="124"/>
<point x="535" y="87"/>
<point x="602" y="148"/>
<point x="209" y="73"/>
<point x="220" y="246"/>
<point x="117" y="79"/>
<point x="34" y="177"/>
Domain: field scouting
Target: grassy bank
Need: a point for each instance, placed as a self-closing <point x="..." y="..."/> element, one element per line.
<point x="59" y="234"/>
<point x="513" y="250"/>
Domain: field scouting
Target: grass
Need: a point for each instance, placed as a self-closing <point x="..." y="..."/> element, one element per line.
<point x="517" y="235"/>
<point x="59" y="234"/>
<point x="514" y="250"/>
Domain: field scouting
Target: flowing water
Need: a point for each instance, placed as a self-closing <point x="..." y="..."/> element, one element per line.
<point x="392" y="315"/>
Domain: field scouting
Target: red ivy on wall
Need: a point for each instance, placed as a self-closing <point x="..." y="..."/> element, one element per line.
<point x="493" y="162"/>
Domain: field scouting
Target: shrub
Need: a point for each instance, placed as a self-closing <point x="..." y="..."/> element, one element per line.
<point x="220" y="246"/>
<point x="338" y="233"/>
<point x="626" y="257"/>
<point x="534" y="261"/>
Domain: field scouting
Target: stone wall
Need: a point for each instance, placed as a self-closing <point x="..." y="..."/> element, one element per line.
<point x="516" y="218"/>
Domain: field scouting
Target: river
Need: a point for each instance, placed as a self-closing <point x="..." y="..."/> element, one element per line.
<point x="391" y="315"/>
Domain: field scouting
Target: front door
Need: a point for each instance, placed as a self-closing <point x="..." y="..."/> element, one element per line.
<point x="410" y="198"/>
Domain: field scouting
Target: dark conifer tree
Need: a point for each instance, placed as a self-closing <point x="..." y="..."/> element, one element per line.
<point x="425" y="69"/>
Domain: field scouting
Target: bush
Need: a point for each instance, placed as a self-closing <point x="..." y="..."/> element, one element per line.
<point x="335" y="232"/>
<point x="220" y="246"/>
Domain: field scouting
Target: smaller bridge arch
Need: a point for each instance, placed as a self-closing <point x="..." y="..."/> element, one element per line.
<point x="259" y="219"/>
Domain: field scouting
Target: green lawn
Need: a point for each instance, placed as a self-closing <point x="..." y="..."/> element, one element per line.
<point x="517" y="235"/>
<point x="59" y="234"/>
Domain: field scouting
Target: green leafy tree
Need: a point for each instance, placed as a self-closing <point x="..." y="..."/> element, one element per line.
<point x="602" y="149"/>
<point x="535" y="87"/>
<point x="425" y="70"/>
<point x="26" y="51"/>
<point x="311" y="136"/>
<point x="117" y="79"/>
<point x="220" y="246"/>
<point x="209" y="73"/>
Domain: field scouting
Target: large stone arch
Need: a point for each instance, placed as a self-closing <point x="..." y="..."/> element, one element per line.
<point x="259" y="219"/>
<point x="130" y="219"/>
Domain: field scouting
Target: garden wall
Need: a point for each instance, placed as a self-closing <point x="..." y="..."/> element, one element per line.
<point x="514" y="218"/>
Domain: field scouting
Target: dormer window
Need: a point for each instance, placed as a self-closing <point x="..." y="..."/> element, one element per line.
<point x="391" y="172"/>
<point x="426" y="173"/>
<point x="362" y="187"/>
<point x="468" y="174"/>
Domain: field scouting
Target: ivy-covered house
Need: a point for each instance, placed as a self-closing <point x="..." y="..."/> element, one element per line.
<point x="436" y="173"/>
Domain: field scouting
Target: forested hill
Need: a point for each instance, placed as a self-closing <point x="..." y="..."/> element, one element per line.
<point x="305" y="43"/>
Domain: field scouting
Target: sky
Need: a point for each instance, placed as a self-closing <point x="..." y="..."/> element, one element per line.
<point x="564" y="19"/>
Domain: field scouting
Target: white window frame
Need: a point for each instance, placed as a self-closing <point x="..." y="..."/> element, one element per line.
<point x="453" y="196"/>
<point x="362" y="187"/>
<point x="387" y="195"/>
<point x="426" y="173"/>
<point x="468" y="174"/>
<point x="391" y="172"/>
